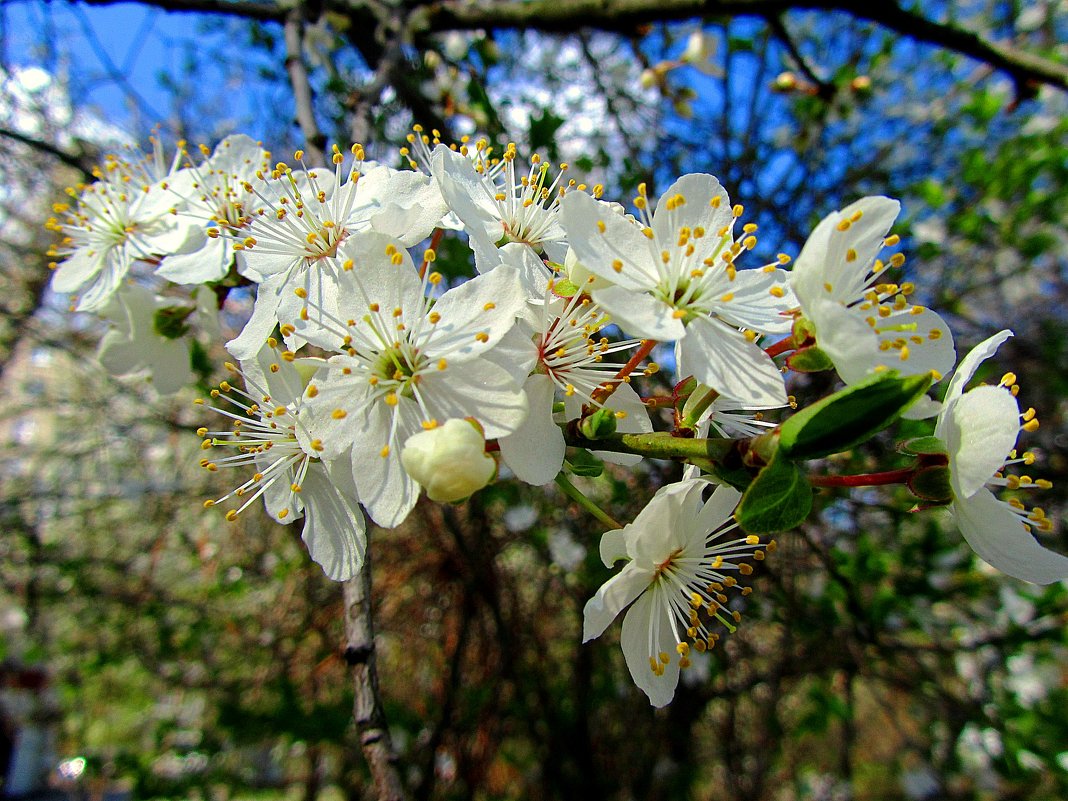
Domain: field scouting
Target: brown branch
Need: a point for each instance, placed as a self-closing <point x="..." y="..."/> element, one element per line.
<point x="367" y="709"/>
<point x="75" y="161"/>
<point x="626" y="16"/>
<point x="303" y="97"/>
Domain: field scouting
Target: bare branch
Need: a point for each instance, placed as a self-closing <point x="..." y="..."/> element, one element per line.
<point x="72" y="160"/>
<point x="303" y="97"/>
<point x="627" y="16"/>
<point x="367" y="706"/>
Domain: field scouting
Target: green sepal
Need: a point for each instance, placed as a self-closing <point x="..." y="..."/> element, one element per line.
<point x="851" y="416"/>
<point x="700" y="398"/>
<point x="809" y="360"/>
<point x="804" y="332"/>
<point x="923" y="446"/>
<point x="600" y="424"/>
<point x="778" y="499"/>
<point x="169" y="322"/>
<point x="932" y="484"/>
<point x="563" y="288"/>
<point x="584" y="463"/>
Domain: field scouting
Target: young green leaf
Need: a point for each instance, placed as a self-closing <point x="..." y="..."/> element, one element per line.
<point x="778" y="499"/>
<point x="850" y="417"/>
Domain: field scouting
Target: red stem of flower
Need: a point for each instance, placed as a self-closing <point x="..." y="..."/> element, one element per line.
<point x="864" y="479"/>
<point x="435" y="240"/>
<point x="603" y="392"/>
<point x="780" y="347"/>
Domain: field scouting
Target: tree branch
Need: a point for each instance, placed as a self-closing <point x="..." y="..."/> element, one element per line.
<point x="303" y="97"/>
<point x="626" y="16"/>
<point x="367" y="706"/>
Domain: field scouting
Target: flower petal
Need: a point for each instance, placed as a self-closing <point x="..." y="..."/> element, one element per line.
<point x="721" y="357"/>
<point x="699" y="191"/>
<point x="612" y="598"/>
<point x="535" y="451"/>
<point x="621" y="240"/>
<point x="998" y="536"/>
<point x="979" y="429"/>
<point x="970" y="363"/>
<point x="648" y="624"/>
<point x="826" y="259"/>
<point x="334" y="528"/>
<point x="640" y="314"/>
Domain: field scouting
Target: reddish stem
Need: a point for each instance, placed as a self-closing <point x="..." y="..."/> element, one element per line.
<point x="603" y="392"/>
<point x="864" y="479"/>
<point x="780" y="347"/>
<point x="435" y="240"/>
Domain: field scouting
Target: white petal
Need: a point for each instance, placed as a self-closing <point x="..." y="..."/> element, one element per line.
<point x="625" y="399"/>
<point x="718" y="509"/>
<point x="612" y="598"/>
<point x="263" y="321"/>
<point x="412" y="207"/>
<point x="753" y="306"/>
<point x="535" y="451"/>
<point x="622" y="240"/>
<point x="209" y="263"/>
<point x="334" y="528"/>
<point x="846" y="338"/>
<point x="640" y="314"/>
<point x="824" y="259"/>
<point x="979" y="429"/>
<point x="478" y="389"/>
<point x="660" y="528"/>
<point x="468" y="194"/>
<point x="385" y="489"/>
<point x="998" y="536"/>
<point x="970" y="363"/>
<point x="485" y="305"/>
<point x="648" y="613"/>
<point x="697" y="211"/>
<point x="725" y="360"/>
<point x="77" y="270"/>
<point x="613" y="546"/>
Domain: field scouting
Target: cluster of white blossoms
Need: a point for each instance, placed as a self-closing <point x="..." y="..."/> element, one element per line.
<point x="365" y="375"/>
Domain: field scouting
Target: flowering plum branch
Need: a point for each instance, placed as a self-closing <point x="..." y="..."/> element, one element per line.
<point x="365" y="375"/>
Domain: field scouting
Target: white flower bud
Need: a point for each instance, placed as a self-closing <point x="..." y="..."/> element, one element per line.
<point x="449" y="461"/>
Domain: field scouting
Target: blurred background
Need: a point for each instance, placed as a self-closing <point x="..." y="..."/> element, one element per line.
<point x="149" y="649"/>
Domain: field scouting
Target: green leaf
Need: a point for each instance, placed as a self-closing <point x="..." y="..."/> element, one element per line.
<point x="809" y="360"/>
<point x="923" y="446"/>
<point x="169" y="322"/>
<point x="584" y="463"/>
<point x="543" y="130"/>
<point x="850" y="417"/>
<point x="780" y="498"/>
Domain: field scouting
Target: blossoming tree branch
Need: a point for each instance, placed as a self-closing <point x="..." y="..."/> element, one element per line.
<point x="364" y="377"/>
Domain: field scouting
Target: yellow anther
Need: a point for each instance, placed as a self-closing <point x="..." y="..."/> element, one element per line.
<point x="391" y="399"/>
<point x="777" y="291"/>
<point x="897" y="260"/>
<point x="745" y="569"/>
<point x="208" y="504"/>
<point x="844" y="225"/>
<point x="231" y="516"/>
<point x="384" y="452"/>
<point x="851" y="255"/>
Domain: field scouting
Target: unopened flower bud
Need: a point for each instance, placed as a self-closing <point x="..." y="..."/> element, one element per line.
<point x="861" y="84"/>
<point x="600" y="424"/>
<point x="449" y="461"/>
<point x="786" y="82"/>
<point x="578" y="275"/>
